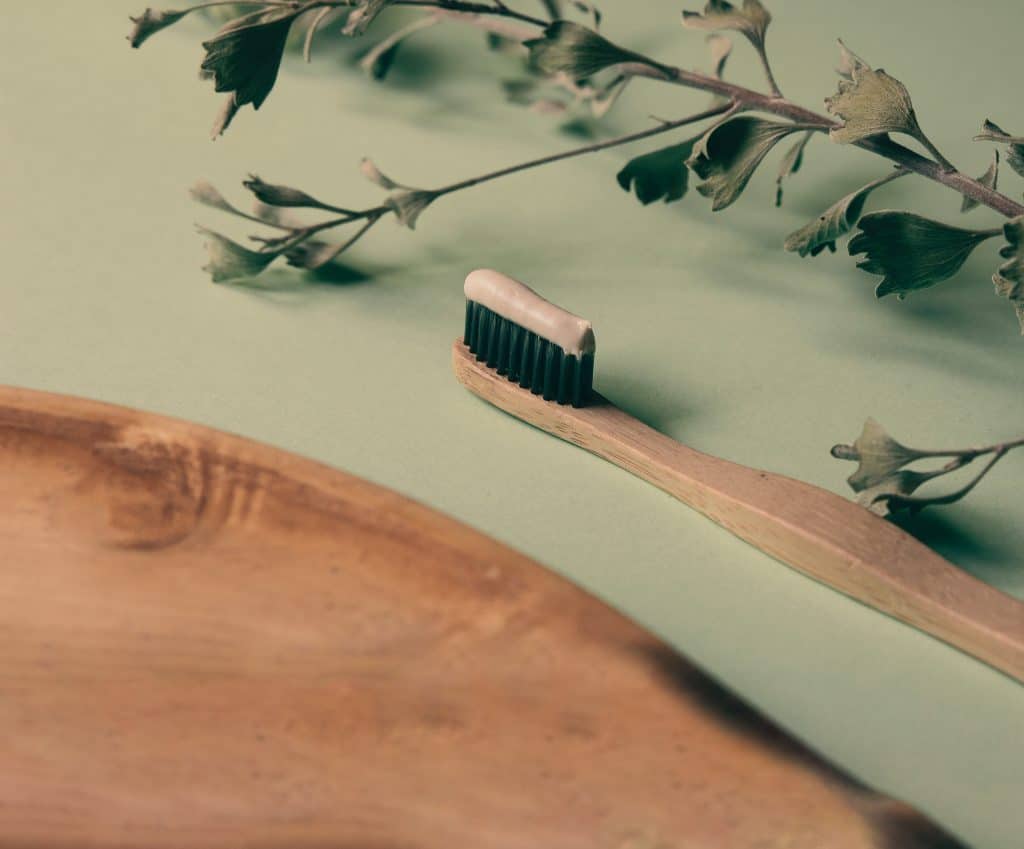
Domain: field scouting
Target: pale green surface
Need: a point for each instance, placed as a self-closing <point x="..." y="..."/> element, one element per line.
<point x="706" y="328"/>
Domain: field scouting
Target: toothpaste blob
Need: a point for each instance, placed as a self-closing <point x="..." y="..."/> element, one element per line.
<point x="518" y="303"/>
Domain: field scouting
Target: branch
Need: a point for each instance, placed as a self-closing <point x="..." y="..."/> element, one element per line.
<point x="939" y="170"/>
<point x="884" y="481"/>
<point x="662" y="127"/>
<point x="470" y="8"/>
<point x="882" y="146"/>
<point x="298" y="235"/>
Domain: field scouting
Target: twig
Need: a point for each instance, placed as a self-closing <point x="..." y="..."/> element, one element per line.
<point x="663" y="127"/>
<point x="939" y="170"/>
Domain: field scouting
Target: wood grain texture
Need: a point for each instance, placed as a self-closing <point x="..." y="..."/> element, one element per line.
<point x="208" y="643"/>
<point x="815" y="531"/>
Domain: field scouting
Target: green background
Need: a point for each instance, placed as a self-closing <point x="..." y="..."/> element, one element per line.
<point x="707" y="330"/>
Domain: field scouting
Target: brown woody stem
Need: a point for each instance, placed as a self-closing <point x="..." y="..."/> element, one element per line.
<point x="941" y="171"/>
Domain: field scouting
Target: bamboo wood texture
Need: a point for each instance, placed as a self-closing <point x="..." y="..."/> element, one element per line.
<point x="815" y="531"/>
<point x="208" y="643"/>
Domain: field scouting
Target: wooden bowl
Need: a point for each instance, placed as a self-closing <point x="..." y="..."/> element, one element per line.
<point x="207" y="642"/>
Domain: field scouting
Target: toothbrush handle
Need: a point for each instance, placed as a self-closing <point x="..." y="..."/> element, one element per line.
<point x="828" y="538"/>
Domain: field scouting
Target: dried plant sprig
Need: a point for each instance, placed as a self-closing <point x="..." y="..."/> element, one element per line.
<point x="909" y="251"/>
<point x="885" y="484"/>
<point x="230" y="260"/>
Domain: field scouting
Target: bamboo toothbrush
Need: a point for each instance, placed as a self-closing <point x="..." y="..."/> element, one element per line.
<point x="536" y="361"/>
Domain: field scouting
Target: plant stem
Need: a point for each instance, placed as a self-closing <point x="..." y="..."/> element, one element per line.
<point x="933" y="150"/>
<point x="769" y="75"/>
<point x="213" y="3"/>
<point x="940" y="170"/>
<point x="590" y="148"/>
<point x="374" y="213"/>
<point x="917" y="503"/>
<point x="463" y="6"/>
<point x="880" y="145"/>
<point x="552" y="8"/>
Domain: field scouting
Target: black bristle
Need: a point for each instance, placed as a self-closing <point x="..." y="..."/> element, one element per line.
<point x="467" y="335"/>
<point x="525" y="358"/>
<point x="540" y="350"/>
<point x="566" y="375"/>
<point x="485" y="334"/>
<point x="515" y="350"/>
<point x="478" y="322"/>
<point x="501" y="360"/>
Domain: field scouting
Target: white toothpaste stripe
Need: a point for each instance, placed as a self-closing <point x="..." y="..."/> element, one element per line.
<point x="519" y="303"/>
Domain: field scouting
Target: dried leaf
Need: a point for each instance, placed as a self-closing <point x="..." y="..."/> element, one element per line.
<point x="727" y="155"/>
<point x="244" y="58"/>
<point x="224" y="117"/>
<point x="275" y="195"/>
<point x="911" y="251"/>
<point x="311" y="30"/>
<point x="870" y="103"/>
<point x="587" y="8"/>
<point x="313" y="254"/>
<point x="360" y="18"/>
<point x="1015" y="144"/>
<point x="379" y="59"/>
<point x="575" y="50"/>
<point x="790" y="164"/>
<point x="659" y="174"/>
<point x="375" y="175"/>
<point x="990" y="178"/>
<point x="886" y="497"/>
<point x="720" y="47"/>
<point x="752" y="19"/>
<point x="408" y="205"/>
<point x="848" y="61"/>
<point x="835" y="222"/>
<point x="151" y="22"/>
<point x="1009" y="279"/>
<point x="878" y="456"/>
<point x="230" y="261"/>
<point x="207" y="194"/>
<point x="603" y="99"/>
<point x="535" y="95"/>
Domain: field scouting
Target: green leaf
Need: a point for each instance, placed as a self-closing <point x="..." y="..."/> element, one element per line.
<point x="911" y="251"/>
<point x="1015" y="144"/>
<point x="835" y="222"/>
<point x="152" y="21"/>
<point x="869" y="103"/>
<point x="990" y="178"/>
<point x="569" y="48"/>
<point x="230" y="261"/>
<point x="1009" y="279"/>
<point x="727" y="155"/>
<point x="752" y="19"/>
<point x="877" y="454"/>
<point x="790" y="164"/>
<point x="363" y="15"/>
<point x="658" y="174"/>
<point x="408" y="205"/>
<point x="244" y="57"/>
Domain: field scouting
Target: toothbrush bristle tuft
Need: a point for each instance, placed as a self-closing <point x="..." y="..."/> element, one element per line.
<point x="524" y="357"/>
